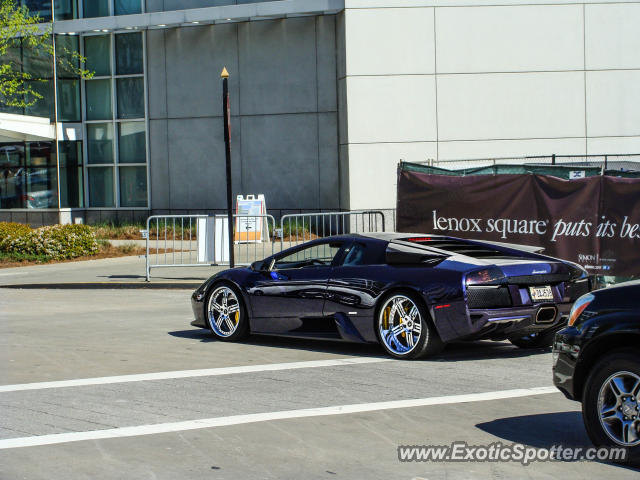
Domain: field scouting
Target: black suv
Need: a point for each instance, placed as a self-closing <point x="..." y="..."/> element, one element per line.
<point x="597" y="362"/>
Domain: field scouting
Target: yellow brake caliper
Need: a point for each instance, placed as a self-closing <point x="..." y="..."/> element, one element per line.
<point x="404" y="333"/>
<point x="385" y="317"/>
<point x="237" y="316"/>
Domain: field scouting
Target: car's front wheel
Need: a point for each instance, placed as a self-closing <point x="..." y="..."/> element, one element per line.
<point x="610" y="403"/>
<point x="226" y="314"/>
<point x="404" y="328"/>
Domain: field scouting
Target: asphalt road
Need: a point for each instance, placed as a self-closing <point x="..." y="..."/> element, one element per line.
<point x="265" y="408"/>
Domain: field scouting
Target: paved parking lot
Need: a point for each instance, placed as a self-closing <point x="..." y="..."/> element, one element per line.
<point x="160" y="399"/>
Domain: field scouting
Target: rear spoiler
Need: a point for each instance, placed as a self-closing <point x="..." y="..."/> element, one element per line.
<point x="513" y="246"/>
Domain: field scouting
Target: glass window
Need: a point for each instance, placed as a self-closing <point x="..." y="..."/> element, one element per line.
<point x="41" y="191"/>
<point x="11" y="168"/>
<point x="127" y="7"/>
<point x="98" y="94"/>
<point x="129" y="53"/>
<point x="71" y="184"/>
<point x="100" y="186"/>
<point x="66" y="46"/>
<point x="28" y="176"/>
<point x="133" y="186"/>
<point x="43" y="107"/>
<point x="69" y="100"/>
<point x="40" y="154"/>
<point x="131" y="142"/>
<point x="314" y="256"/>
<point x="39" y="7"/>
<point x="66" y="9"/>
<point x="99" y="143"/>
<point x="95" y="8"/>
<point x="97" y="50"/>
<point x="37" y="62"/>
<point x="355" y="255"/>
<point x="130" y="93"/>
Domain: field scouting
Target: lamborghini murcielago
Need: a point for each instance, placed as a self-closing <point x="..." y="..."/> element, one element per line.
<point x="412" y="293"/>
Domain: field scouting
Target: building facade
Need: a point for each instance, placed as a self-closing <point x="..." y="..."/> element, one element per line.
<point x="326" y="97"/>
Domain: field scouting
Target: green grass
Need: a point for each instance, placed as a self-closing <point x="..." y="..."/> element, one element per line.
<point x="131" y="231"/>
<point x="21" y="257"/>
<point x="296" y="228"/>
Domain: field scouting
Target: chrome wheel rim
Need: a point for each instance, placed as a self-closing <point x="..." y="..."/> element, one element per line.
<point x="400" y="325"/>
<point x="223" y="311"/>
<point x="619" y="408"/>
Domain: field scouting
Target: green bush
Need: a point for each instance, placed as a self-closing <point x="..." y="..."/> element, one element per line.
<point x="56" y="242"/>
<point x="10" y="231"/>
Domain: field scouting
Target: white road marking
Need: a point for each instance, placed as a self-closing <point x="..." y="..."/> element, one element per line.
<point x="121" y="432"/>
<point x="268" y="367"/>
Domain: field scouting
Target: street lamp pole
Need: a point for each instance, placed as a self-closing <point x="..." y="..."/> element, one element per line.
<point x="226" y="114"/>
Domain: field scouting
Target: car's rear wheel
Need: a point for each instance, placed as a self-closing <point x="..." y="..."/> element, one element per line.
<point x="610" y="403"/>
<point x="404" y="328"/>
<point x="534" y="340"/>
<point x="226" y="314"/>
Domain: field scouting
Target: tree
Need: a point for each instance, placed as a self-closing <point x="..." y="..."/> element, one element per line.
<point x="18" y="28"/>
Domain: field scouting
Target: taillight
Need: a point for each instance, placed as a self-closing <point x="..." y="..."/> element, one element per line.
<point x="487" y="276"/>
<point x="581" y="304"/>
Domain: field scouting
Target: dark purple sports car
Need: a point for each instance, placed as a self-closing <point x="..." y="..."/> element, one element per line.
<point x="412" y="293"/>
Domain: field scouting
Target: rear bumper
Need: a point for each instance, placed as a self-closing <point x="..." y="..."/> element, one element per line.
<point x="519" y="321"/>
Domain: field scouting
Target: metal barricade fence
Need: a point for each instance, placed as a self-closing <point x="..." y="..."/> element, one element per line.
<point x="302" y="227"/>
<point x="255" y="238"/>
<point x="202" y="240"/>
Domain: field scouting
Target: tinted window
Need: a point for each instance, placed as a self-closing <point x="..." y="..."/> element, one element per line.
<point x="318" y="255"/>
<point x="355" y="255"/>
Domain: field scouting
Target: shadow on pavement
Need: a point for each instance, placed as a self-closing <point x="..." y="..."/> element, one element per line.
<point x="544" y="431"/>
<point x="453" y="352"/>
<point x="541" y="431"/>
<point x="313" y="345"/>
<point x="484" y="350"/>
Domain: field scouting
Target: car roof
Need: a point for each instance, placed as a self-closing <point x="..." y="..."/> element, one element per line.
<point x="389" y="236"/>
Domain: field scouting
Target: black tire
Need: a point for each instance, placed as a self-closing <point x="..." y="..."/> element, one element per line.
<point x="427" y="342"/>
<point x="537" y="340"/>
<point x="222" y="329"/>
<point x="617" y="363"/>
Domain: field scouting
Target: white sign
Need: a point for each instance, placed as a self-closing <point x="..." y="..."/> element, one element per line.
<point x="253" y="227"/>
<point x="574" y="174"/>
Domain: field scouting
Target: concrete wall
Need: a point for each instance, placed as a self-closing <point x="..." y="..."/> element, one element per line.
<point x="283" y="106"/>
<point x="441" y="80"/>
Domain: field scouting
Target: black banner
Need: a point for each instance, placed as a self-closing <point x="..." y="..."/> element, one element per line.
<point x="592" y="221"/>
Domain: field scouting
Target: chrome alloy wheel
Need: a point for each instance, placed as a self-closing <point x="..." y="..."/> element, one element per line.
<point x="223" y="311"/>
<point x="619" y="408"/>
<point x="400" y="324"/>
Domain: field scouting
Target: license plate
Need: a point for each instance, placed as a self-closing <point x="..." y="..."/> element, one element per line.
<point x="541" y="294"/>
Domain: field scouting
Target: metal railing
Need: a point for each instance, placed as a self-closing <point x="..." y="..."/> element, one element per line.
<point x="612" y="161"/>
<point x="302" y="227"/>
<point x="202" y="241"/>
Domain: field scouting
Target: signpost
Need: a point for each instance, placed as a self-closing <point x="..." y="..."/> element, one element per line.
<point x="226" y="113"/>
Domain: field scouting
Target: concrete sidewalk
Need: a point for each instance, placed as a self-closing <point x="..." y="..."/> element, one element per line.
<point x="121" y="272"/>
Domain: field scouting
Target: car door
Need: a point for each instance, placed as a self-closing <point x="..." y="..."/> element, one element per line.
<point x="289" y="297"/>
<point x="352" y="292"/>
